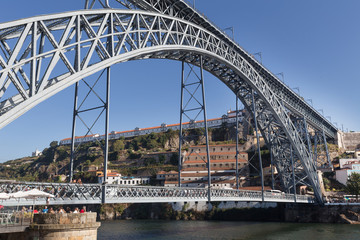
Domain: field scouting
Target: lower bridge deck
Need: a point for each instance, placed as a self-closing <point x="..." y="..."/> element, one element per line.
<point x="66" y="193"/>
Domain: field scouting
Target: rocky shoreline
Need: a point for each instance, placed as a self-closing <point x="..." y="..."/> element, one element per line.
<point x="347" y="214"/>
<point x="229" y="211"/>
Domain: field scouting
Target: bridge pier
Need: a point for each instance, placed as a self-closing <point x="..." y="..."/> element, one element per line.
<point x="65" y="226"/>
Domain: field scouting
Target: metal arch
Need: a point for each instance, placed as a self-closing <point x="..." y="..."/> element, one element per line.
<point x="136" y="35"/>
<point x="183" y="9"/>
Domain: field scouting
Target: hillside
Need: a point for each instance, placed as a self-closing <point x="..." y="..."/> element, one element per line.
<point x="141" y="155"/>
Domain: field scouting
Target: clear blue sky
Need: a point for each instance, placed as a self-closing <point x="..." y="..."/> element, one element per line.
<point x="316" y="44"/>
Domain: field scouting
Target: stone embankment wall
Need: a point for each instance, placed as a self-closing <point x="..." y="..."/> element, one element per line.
<point x="349" y="141"/>
<point x="253" y="211"/>
<point x="304" y="213"/>
<point x="234" y="211"/>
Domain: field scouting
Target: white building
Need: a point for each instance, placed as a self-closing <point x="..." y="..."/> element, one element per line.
<point x="36" y="153"/>
<point x="229" y="118"/>
<point x="134" y="181"/>
<point x="347" y="163"/>
<point x="111" y="178"/>
<point x="343" y="175"/>
<point x="116" y="178"/>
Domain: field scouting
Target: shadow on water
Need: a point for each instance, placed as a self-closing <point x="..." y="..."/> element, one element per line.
<point x="153" y="229"/>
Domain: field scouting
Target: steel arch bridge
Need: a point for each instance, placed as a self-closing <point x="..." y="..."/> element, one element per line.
<point x="41" y="56"/>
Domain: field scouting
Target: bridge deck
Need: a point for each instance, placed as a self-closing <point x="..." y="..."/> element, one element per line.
<point x="92" y="194"/>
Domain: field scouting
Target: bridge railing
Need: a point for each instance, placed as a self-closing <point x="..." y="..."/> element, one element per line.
<point x="62" y="191"/>
<point x="153" y="193"/>
<point x="66" y="193"/>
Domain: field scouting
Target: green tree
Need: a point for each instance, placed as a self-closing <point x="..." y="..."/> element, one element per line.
<point x="118" y="145"/>
<point x="174" y="160"/>
<point x="152" y="144"/>
<point x="54" y="144"/>
<point x="162" y="159"/>
<point x="353" y="185"/>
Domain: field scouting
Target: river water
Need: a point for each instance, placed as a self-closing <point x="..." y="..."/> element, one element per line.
<point x="154" y="229"/>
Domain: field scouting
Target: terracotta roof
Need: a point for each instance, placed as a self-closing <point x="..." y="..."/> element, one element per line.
<point x="215" y="161"/>
<point x="212" y="181"/>
<point x="110" y="174"/>
<point x="220" y="145"/>
<point x="225" y="174"/>
<point x="171" y="172"/>
<point x="77" y="137"/>
<point x="255" y="188"/>
<point x="149" y="128"/>
<point x="214" y="153"/>
<point x="171" y="182"/>
<point x="205" y="169"/>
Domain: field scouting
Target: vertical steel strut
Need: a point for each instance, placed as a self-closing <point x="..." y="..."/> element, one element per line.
<point x="293" y="172"/>
<point x="258" y="144"/>
<point x="110" y="49"/>
<point x="315" y="151"/>
<point x="192" y="109"/>
<point x="272" y="169"/>
<point x="206" y="129"/>
<point x="237" y="142"/>
<point x="181" y="119"/>
<point x="78" y="68"/>
<point x="326" y="149"/>
<point x="72" y="156"/>
<point x="321" y="151"/>
<point x="106" y="149"/>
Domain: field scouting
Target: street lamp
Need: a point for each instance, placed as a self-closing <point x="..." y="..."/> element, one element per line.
<point x="297" y="88"/>
<point x="232" y="30"/>
<point x="260" y="55"/>
<point x="310" y="100"/>
<point x="282" y="75"/>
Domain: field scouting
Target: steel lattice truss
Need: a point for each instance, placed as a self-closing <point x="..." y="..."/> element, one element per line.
<point x="41" y="56"/>
<point x="184" y="10"/>
<point x="91" y="194"/>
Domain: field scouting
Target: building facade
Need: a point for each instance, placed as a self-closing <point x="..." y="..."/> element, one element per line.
<point x="343" y="175"/>
<point x="194" y="171"/>
<point x="229" y="118"/>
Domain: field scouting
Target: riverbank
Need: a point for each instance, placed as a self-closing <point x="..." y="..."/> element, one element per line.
<point x="230" y="211"/>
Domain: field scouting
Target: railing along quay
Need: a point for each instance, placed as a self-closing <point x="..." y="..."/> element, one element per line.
<point x="14" y="221"/>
